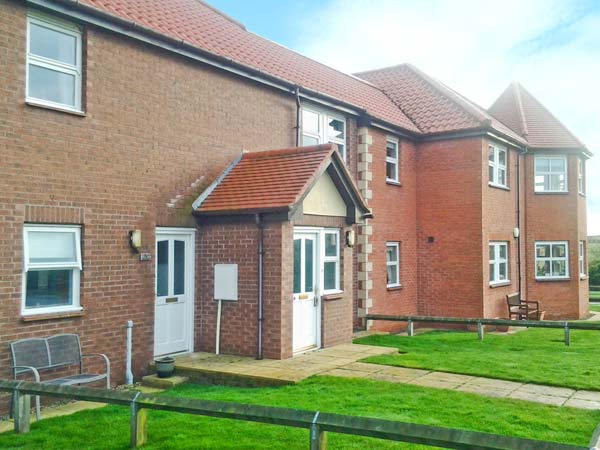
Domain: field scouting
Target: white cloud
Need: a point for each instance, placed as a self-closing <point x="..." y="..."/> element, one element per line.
<point x="478" y="47"/>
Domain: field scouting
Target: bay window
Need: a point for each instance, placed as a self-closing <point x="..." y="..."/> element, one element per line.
<point x="551" y="174"/>
<point x="551" y="260"/>
<point x="52" y="265"/>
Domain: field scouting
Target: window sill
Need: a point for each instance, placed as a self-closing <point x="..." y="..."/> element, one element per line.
<point x="583" y="277"/>
<point x="498" y="186"/>
<point x="332" y="296"/>
<point x="500" y="284"/>
<point x="393" y="182"/>
<point x="553" y="279"/>
<point x="551" y="192"/>
<point x="394" y="287"/>
<point x="63" y="109"/>
<point x="32" y="317"/>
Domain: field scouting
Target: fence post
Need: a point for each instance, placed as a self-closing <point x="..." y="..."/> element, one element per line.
<point x="480" y="331"/>
<point x="410" y="330"/>
<point x="138" y="422"/>
<point x="318" y="438"/>
<point x="21" y="411"/>
<point x="567" y="334"/>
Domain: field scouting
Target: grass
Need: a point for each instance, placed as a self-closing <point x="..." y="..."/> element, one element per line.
<point x="534" y="356"/>
<point x="595" y="307"/>
<point x="594" y="296"/>
<point x="108" y="428"/>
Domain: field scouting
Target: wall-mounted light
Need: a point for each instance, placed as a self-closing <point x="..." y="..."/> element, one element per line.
<point x="135" y="239"/>
<point x="350" y="239"/>
<point x="516" y="233"/>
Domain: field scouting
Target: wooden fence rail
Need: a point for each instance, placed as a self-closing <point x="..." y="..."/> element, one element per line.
<point x="567" y="326"/>
<point x="317" y="423"/>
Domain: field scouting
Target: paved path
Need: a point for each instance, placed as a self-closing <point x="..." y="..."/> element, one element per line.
<point x="489" y="387"/>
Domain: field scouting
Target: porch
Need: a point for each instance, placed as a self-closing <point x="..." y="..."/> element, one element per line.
<point x="247" y="371"/>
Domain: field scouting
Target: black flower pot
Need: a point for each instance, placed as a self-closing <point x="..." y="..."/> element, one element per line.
<point x="165" y="367"/>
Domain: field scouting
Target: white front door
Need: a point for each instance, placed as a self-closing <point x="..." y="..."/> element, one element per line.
<point x="173" y="310"/>
<point x="306" y="291"/>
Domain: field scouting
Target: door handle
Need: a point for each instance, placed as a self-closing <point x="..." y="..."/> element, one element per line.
<point x="171" y="300"/>
<point x="316" y="298"/>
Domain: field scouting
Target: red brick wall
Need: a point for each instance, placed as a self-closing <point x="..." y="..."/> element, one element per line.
<point x="237" y="243"/>
<point x="449" y="209"/>
<point x="394" y="209"/>
<point x="556" y="217"/>
<point x="146" y="137"/>
<point x="499" y="220"/>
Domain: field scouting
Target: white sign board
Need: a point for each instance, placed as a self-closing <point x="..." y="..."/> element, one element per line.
<point x="226" y="282"/>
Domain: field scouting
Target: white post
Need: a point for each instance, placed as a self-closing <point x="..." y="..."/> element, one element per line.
<point x="128" y="372"/>
<point x="218" y="328"/>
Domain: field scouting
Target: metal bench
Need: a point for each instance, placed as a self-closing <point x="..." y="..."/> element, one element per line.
<point x="62" y="350"/>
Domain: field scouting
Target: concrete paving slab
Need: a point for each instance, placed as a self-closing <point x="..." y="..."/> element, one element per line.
<point x="592" y="396"/>
<point x="547" y="390"/>
<point x="537" y="398"/>
<point x="582" y="404"/>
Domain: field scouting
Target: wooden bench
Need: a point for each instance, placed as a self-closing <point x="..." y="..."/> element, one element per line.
<point x="62" y="350"/>
<point x="523" y="309"/>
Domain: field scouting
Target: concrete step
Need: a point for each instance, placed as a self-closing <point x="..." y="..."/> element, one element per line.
<point x="154" y="381"/>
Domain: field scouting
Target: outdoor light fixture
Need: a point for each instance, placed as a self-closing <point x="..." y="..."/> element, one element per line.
<point x="350" y="238"/>
<point x="135" y="239"/>
<point x="516" y="233"/>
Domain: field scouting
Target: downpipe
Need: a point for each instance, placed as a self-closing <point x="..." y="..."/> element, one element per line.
<point x="261" y="258"/>
<point x="128" y="371"/>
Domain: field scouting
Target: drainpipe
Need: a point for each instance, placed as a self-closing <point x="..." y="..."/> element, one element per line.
<point x="261" y="257"/>
<point x="298" y="116"/>
<point x="128" y="371"/>
<point x="519" y="220"/>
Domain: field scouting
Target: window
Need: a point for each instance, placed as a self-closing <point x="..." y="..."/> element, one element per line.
<point x="331" y="261"/>
<point x="580" y="176"/>
<point x="497" y="165"/>
<point x="393" y="264"/>
<point x="53" y="62"/>
<point x="582" y="271"/>
<point x="52" y="262"/>
<point x="550" y="174"/>
<point x="551" y="260"/>
<point x="498" y="262"/>
<point x="322" y="128"/>
<point x="391" y="160"/>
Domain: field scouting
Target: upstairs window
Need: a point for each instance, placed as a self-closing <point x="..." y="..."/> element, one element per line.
<point x="550" y="174"/>
<point x="497" y="165"/>
<point x="498" y="262"/>
<point x="581" y="176"/>
<point x="392" y="257"/>
<point x="53" y="62"/>
<point x="320" y="127"/>
<point x="52" y="265"/>
<point x="551" y="260"/>
<point x="391" y="161"/>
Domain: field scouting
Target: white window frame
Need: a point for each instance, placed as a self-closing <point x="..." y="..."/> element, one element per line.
<point x="391" y="160"/>
<point x="322" y="136"/>
<point x="551" y="259"/>
<point x="34" y="17"/>
<point x="582" y="268"/>
<point x="336" y="259"/>
<point x="495" y="280"/>
<point x="581" y="176"/>
<point x="497" y="167"/>
<point x="550" y="172"/>
<point x="396" y="263"/>
<point x="75" y="266"/>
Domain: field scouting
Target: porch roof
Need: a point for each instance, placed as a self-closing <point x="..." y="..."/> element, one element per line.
<point x="278" y="181"/>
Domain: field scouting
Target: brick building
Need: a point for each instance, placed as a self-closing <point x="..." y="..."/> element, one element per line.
<point x="122" y="120"/>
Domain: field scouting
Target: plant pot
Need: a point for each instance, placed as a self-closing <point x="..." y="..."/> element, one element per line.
<point x="165" y="367"/>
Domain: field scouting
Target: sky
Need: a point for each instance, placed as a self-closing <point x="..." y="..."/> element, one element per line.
<point x="477" y="47"/>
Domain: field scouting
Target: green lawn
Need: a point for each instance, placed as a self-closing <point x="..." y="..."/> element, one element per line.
<point x="108" y="428"/>
<point x="535" y="355"/>
<point x="594" y="297"/>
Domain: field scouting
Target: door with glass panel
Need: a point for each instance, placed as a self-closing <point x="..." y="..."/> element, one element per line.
<point x="306" y="291"/>
<point x="173" y="312"/>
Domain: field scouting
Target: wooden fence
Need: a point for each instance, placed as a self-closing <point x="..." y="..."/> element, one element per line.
<point x="567" y="326"/>
<point x="316" y="422"/>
